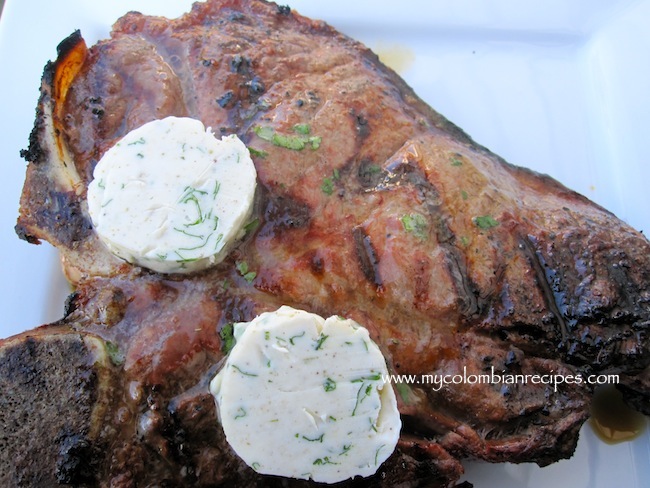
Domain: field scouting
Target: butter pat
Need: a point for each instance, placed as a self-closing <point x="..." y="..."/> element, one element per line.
<point x="171" y="197"/>
<point x="304" y="397"/>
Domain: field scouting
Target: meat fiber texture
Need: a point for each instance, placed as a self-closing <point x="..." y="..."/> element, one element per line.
<point x="456" y="261"/>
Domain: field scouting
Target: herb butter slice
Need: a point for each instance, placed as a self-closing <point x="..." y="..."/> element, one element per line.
<point x="171" y="197"/>
<point x="304" y="397"/>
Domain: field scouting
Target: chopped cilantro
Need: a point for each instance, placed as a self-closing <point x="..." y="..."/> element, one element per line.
<point x="327" y="186"/>
<point x="404" y="392"/>
<point x="242" y="268"/>
<point x="303" y="129"/>
<point x="251" y="226"/>
<point x="265" y="132"/>
<point x="294" y="142"/>
<point x="485" y="222"/>
<point x="259" y="154"/>
<point x="227" y="338"/>
<point x="328" y="182"/>
<point x="456" y="160"/>
<point x="315" y="141"/>
<point x="416" y="224"/>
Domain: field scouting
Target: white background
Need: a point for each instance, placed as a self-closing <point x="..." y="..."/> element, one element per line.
<point x="558" y="86"/>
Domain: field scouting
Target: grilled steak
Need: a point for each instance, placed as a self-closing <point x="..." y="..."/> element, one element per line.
<point x="456" y="261"/>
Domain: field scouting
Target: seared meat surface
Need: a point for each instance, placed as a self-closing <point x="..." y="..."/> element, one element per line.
<point x="456" y="261"/>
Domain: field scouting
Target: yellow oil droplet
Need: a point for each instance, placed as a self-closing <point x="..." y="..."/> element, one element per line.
<point x="612" y="420"/>
<point x="395" y="56"/>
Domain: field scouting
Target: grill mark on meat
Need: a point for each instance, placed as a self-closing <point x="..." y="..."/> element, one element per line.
<point x="369" y="174"/>
<point x="367" y="258"/>
<point x="467" y="291"/>
<point x="361" y="123"/>
<point x="552" y="299"/>
<point x="470" y="303"/>
<point x="192" y="428"/>
<point x="283" y="212"/>
<point x="235" y="309"/>
<point x="407" y="172"/>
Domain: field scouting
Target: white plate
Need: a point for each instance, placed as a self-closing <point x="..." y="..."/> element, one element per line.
<point x="560" y="87"/>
